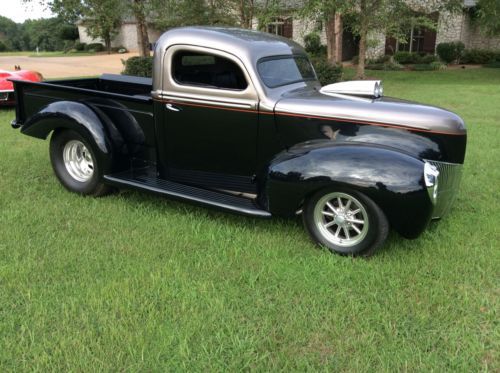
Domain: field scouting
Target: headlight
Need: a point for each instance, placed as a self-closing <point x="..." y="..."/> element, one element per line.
<point x="431" y="175"/>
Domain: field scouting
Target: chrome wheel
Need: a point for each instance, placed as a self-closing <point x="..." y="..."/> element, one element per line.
<point x="341" y="219"/>
<point x="78" y="161"/>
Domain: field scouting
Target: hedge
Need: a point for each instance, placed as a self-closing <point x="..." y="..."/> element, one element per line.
<point x="480" y="56"/>
<point x="139" y="66"/>
<point x="326" y="72"/>
<point x="450" y="52"/>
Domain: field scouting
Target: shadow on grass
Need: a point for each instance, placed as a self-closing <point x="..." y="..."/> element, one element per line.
<point x="264" y="225"/>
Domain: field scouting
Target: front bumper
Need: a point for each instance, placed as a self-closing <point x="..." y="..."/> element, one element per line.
<point x="450" y="175"/>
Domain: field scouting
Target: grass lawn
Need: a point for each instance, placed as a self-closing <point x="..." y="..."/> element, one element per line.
<point x="134" y="282"/>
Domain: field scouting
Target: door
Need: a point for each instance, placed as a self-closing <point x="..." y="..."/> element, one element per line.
<point x="210" y="119"/>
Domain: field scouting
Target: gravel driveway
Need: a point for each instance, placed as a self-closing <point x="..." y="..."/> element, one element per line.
<point x="60" y="67"/>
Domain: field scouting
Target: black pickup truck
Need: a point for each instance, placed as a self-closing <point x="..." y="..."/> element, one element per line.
<point x="237" y="120"/>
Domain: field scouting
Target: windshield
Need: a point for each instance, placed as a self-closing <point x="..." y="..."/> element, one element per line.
<point x="282" y="70"/>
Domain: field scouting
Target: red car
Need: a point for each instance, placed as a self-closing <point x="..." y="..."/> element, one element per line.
<point x="6" y="86"/>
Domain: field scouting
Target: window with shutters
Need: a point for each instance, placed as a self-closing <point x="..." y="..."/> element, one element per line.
<point x="281" y="26"/>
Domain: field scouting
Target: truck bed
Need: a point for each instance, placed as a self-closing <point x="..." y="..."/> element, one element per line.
<point x="125" y="100"/>
<point x="119" y="88"/>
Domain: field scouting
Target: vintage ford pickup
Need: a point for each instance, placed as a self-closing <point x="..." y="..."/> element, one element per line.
<point x="237" y="120"/>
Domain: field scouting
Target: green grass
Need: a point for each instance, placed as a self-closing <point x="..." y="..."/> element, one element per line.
<point x="134" y="282"/>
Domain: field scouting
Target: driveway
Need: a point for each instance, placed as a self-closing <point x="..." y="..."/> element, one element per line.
<point x="61" y="67"/>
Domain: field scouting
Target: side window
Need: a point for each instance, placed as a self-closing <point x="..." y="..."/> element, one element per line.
<point x="206" y="70"/>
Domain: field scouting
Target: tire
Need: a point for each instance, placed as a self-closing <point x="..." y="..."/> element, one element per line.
<point x="75" y="164"/>
<point x="342" y="228"/>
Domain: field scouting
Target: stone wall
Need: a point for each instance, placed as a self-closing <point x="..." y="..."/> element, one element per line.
<point x="458" y="27"/>
<point x="126" y="37"/>
<point x="376" y="45"/>
<point x="450" y="28"/>
<point x="473" y="38"/>
<point x="303" y="27"/>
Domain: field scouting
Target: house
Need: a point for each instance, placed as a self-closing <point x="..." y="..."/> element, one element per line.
<point x="126" y="36"/>
<point x="451" y="27"/>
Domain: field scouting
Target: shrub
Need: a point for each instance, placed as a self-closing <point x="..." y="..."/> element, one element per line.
<point x="480" y="56"/>
<point x="387" y="66"/>
<point x="312" y="43"/>
<point x="94" y="47"/>
<point x="422" y="67"/>
<point x="379" y="60"/>
<point x="450" y="52"/>
<point x="327" y="73"/>
<point x="438" y="65"/>
<point x="428" y="58"/>
<point x="80" y="46"/>
<point x="3" y="47"/>
<point x="139" y="66"/>
<point x="68" y="46"/>
<point x="495" y="65"/>
<point x="120" y="49"/>
<point x="406" y="58"/>
<point x="373" y="61"/>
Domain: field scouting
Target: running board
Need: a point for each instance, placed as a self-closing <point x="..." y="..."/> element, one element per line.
<point x="212" y="198"/>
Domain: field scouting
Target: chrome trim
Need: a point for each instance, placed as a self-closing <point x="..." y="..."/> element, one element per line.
<point x="172" y="107"/>
<point x="6" y="91"/>
<point x="371" y="88"/>
<point x="450" y="175"/>
<point x="431" y="179"/>
<point x="236" y="104"/>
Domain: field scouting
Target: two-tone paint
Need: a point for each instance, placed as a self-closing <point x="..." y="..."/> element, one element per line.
<point x="281" y="144"/>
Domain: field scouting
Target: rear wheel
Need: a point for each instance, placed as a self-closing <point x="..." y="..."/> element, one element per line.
<point x="75" y="164"/>
<point x="346" y="222"/>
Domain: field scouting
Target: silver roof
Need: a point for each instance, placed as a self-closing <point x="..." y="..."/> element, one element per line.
<point x="248" y="45"/>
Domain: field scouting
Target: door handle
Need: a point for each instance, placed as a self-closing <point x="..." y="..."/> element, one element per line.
<point x="172" y="107"/>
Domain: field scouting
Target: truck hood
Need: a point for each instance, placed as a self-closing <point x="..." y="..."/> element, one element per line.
<point x="383" y="111"/>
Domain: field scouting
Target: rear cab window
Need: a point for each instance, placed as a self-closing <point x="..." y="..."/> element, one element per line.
<point x="207" y="70"/>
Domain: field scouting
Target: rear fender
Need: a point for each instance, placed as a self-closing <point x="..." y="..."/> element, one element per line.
<point x="82" y="119"/>
<point x="394" y="180"/>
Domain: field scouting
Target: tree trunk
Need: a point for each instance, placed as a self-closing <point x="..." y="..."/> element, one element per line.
<point x="246" y="13"/>
<point x="107" y="42"/>
<point x="334" y="32"/>
<point x="331" y="40"/>
<point x="339" y="30"/>
<point x="142" y="29"/>
<point x="363" y="34"/>
<point x="360" y="73"/>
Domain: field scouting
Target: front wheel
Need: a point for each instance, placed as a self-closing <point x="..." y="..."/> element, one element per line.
<point x="346" y="222"/>
<point x="75" y="164"/>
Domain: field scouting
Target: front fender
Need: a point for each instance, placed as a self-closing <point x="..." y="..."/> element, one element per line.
<point x="392" y="179"/>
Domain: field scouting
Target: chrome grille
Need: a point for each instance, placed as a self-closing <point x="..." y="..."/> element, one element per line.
<point x="449" y="178"/>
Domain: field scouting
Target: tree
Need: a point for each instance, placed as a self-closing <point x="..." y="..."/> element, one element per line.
<point x="102" y="17"/>
<point x="140" y="9"/>
<point x="366" y="17"/>
<point x="329" y="12"/>
<point x="487" y="15"/>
